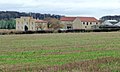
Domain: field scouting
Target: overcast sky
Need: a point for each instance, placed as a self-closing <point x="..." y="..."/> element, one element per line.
<point x="96" y="8"/>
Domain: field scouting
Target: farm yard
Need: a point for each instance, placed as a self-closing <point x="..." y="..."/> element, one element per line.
<point x="60" y="52"/>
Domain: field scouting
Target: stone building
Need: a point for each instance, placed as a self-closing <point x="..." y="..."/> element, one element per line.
<point x="78" y="23"/>
<point x="30" y="24"/>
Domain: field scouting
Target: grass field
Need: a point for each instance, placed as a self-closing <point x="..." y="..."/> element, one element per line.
<point x="73" y="52"/>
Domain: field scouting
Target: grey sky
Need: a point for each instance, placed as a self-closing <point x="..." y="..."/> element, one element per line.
<point x="96" y="8"/>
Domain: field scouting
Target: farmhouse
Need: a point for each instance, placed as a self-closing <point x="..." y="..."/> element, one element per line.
<point x="30" y="24"/>
<point x="74" y="23"/>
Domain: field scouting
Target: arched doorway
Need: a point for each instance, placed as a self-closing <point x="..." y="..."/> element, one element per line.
<point x="26" y="28"/>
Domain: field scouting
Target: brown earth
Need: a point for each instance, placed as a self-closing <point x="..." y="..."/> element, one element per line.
<point x="82" y="66"/>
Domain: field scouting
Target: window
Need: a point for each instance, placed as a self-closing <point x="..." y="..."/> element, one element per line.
<point x="85" y="26"/>
<point x="83" y="22"/>
<point x="91" y="23"/>
<point x="18" y="27"/>
<point x="96" y="23"/>
<point x="69" y="26"/>
<point x="87" y="23"/>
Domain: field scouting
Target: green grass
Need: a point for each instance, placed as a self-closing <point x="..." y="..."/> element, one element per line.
<point x="57" y="49"/>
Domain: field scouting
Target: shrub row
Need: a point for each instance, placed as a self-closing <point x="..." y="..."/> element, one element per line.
<point x="4" y="32"/>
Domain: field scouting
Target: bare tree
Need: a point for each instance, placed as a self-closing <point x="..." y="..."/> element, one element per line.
<point x="53" y="23"/>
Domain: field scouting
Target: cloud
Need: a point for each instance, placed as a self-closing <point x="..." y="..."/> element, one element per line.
<point x="10" y="6"/>
<point x="65" y="7"/>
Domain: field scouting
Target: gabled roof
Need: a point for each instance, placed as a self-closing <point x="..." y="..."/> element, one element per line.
<point x="83" y="19"/>
<point x="68" y="18"/>
<point x="88" y="19"/>
<point x="40" y="21"/>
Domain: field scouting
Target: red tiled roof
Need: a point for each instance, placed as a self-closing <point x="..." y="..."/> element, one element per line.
<point x="40" y="21"/>
<point x="83" y="19"/>
<point x="88" y="19"/>
<point x="68" y="18"/>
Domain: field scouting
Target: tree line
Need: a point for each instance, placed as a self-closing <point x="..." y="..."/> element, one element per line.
<point x="115" y="17"/>
<point x="7" y="15"/>
<point x="7" y="18"/>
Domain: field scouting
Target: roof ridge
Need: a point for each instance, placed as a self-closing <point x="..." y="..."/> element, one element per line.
<point x="89" y="19"/>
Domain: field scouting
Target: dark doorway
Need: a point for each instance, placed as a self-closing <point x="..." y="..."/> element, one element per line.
<point x="26" y="28"/>
<point x="69" y="26"/>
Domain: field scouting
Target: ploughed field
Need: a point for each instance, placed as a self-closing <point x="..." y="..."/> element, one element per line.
<point x="73" y="52"/>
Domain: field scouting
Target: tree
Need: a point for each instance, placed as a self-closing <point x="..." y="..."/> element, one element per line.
<point x="53" y="23"/>
<point x="7" y="24"/>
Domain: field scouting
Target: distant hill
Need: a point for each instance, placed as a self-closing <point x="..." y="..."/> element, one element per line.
<point x="8" y="15"/>
<point x="114" y="17"/>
